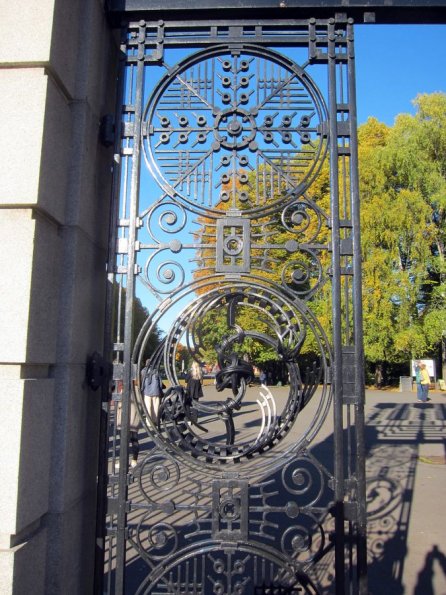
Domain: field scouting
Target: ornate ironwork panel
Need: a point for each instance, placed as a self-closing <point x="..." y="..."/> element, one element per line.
<point x="235" y="251"/>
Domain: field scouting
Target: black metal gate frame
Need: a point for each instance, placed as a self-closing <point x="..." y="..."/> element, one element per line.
<point x="373" y="11"/>
<point x="347" y="363"/>
<point x="348" y="389"/>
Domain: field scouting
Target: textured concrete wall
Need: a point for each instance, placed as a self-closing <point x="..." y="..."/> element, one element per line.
<point x="57" y="79"/>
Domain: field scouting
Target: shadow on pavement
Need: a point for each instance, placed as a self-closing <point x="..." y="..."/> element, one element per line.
<point x="394" y="433"/>
<point x="425" y="580"/>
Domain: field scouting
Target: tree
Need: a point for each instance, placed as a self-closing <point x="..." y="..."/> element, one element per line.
<point x="140" y="315"/>
<point x="268" y="263"/>
<point x="403" y="219"/>
<point x="403" y="193"/>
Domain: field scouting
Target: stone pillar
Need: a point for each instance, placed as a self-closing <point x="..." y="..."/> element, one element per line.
<point x="57" y="62"/>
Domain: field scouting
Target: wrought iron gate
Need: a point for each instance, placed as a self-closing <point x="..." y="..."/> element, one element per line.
<point x="236" y="224"/>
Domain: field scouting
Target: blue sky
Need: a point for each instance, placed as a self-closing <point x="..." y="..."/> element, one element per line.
<point x="394" y="64"/>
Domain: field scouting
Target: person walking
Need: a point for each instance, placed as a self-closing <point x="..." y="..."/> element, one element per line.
<point x="425" y="382"/>
<point x="379" y="377"/>
<point x="418" y="379"/>
<point x="194" y="382"/>
<point x="152" y="389"/>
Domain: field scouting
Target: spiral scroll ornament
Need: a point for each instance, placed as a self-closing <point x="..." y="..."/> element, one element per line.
<point x="161" y="476"/>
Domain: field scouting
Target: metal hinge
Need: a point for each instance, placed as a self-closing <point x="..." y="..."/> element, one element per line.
<point x="107" y="130"/>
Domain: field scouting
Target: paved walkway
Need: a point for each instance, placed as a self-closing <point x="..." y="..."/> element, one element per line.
<point x="406" y="491"/>
<point x="406" y="475"/>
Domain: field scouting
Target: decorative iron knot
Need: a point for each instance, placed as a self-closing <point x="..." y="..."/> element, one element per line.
<point x="174" y="403"/>
<point x="231" y="374"/>
<point x="177" y="406"/>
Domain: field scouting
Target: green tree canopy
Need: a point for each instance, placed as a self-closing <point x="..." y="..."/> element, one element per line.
<point x="403" y="211"/>
<point x="403" y="195"/>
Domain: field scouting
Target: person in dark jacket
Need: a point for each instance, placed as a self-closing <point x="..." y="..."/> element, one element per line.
<point x="194" y="382"/>
<point x="152" y="389"/>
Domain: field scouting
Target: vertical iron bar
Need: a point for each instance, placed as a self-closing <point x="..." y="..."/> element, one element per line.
<point x="101" y="509"/>
<point x="336" y="314"/>
<point x="128" y="329"/>
<point x="357" y="317"/>
<point x="346" y="213"/>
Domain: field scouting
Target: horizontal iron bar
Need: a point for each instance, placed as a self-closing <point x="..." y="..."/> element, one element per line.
<point x="379" y="11"/>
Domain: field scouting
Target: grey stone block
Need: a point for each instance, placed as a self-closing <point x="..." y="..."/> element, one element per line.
<point x="82" y="298"/>
<point x="75" y="434"/>
<point x="71" y="549"/>
<point x="36" y="18"/>
<point x="25" y="444"/>
<point x="28" y="301"/>
<point x="23" y="122"/>
<point x="23" y="567"/>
